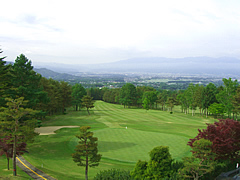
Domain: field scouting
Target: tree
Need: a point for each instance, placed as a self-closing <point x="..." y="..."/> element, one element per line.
<point x="201" y="162"/>
<point x="6" y="147"/>
<point x="225" y="138"/>
<point x="151" y="96"/>
<point x="87" y="102"/>
<point x="86" y="152"/>
<point x="236" y="101"/>
<point x="4" y="80"/>
<point x="158" y="167"/>
<point x="78" y="91"/>
<point x="162" y="98"/>
<point x="209" y="96"/>
<point x="139" y="171"/>
<point x="146" y="103"/>
<point x="226" y="95"/>
<point x="26" y="83"/>
<point x="217" y="109"/>
<point x="14" y="124"/>
<point x="171" y="102"/>
<point x="128" y="95"/>
<point x="65" y="95"/>
<point x="160" y="164"/>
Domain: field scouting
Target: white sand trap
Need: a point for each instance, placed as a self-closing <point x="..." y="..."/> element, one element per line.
<point x="50" y="129"/>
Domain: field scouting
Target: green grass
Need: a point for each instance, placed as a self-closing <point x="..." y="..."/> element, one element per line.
<point x="120" y="147"/>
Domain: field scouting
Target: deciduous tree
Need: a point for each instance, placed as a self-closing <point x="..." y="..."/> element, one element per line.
<point x="6" y="147"/>
<point x="128" y="94"/>
<point x="86" y="152"/>
<point x="225" y="138"/>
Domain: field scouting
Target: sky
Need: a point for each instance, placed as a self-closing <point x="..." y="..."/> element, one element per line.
<point x="101" y="31"/>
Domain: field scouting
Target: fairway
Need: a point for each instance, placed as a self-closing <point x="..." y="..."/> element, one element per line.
<point x="125" y="136"/>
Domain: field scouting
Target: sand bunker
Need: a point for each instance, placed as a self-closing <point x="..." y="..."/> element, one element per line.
<point x="50" y="129"/>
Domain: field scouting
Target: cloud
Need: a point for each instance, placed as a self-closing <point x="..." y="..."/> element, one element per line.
<point x="110" y="30"/>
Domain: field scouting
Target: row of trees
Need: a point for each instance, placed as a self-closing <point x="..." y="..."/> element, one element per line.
<point x="208" y="99"/>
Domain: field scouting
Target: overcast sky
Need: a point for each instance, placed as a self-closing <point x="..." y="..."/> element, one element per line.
<point x="99" y="31"/>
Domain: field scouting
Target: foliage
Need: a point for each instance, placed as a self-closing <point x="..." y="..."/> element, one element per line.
<point x="4" y="79"/>
<point x="86" y="152"/>
<point x="158" y="167"/>
<point x="13" y="125"/>
<point x="113" y="174"/>
<point x="226" y="95"/>
<point x="225" y="138"/>
<point x="146" y="103"/>
<point x="26" y="83"/>
<point x="217" y="109"/>
<point x="201" y="162"/>
<point x="87" y="102"/>
<point x="139" y="171"/>
<point x="128" y="95"/>
<point x="236" y="101"/>
<point x="78" y="91"/>
<point x="58" y="96"/>
<point x="6" y="147"/>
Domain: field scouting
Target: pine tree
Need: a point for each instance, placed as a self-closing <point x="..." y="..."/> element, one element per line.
<point x="4" y="79"/>
<point x="87" y="102"/>
<point x="86" y="152"/>
<point x="13" y="125"/>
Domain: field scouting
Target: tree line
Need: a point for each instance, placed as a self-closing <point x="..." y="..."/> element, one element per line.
<point x="208" y="99"/>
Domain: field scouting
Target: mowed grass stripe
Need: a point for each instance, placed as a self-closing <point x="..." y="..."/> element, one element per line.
<point x="120" y="147"/>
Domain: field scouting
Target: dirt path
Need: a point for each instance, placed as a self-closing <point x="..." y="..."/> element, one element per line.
<point x="50" y="129"/>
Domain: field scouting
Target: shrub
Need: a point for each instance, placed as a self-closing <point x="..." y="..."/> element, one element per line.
<point x="113" y="174"/>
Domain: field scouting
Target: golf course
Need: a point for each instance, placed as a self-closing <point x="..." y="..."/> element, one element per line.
<point x="125" y="135"/>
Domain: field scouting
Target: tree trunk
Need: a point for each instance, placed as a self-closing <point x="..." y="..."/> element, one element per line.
<point x="88" y="111"/>
<point x="76" y="107"/>
<point x="14" y="156"/>
<point x="8" y="163"/>
<point x="86" y="169"/>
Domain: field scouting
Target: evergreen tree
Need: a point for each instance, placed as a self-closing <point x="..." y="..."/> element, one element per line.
<point x="86" y="152"/>
<point x="26" y="83"/>
<point x="87" y="102"/>
<point x="13" y="125"/>
<point x="4" y="79"/>
<point x="78" y="91"/>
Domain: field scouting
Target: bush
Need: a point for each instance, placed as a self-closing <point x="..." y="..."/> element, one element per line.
<point x="113" y="174"/>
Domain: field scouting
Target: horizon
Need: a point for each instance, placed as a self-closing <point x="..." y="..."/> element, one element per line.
<point x="82" y="32"/>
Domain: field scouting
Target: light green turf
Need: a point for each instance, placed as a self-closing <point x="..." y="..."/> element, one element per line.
<point x="120" y="147"/>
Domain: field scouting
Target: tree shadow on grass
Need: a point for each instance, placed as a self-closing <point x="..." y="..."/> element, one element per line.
<point x="105" y="146"/>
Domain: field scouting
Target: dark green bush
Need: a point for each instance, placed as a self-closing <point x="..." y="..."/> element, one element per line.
<point x="113" y="174"/>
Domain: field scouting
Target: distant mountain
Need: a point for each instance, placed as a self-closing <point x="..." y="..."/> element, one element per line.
<point x="189" y="65"/>
<point x="54" y="75"/>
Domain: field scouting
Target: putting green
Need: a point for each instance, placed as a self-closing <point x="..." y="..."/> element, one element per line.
<point x="130" y="145"/>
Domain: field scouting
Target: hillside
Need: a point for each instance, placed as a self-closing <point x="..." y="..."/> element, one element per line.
<point x="223" y="66"/>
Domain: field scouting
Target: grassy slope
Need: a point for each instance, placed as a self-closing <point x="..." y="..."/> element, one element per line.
<point x="120" y="147"/>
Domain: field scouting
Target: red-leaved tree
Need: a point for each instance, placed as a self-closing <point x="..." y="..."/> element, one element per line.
<point x="6" y="147"/>
<point x="225" y="138"/>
